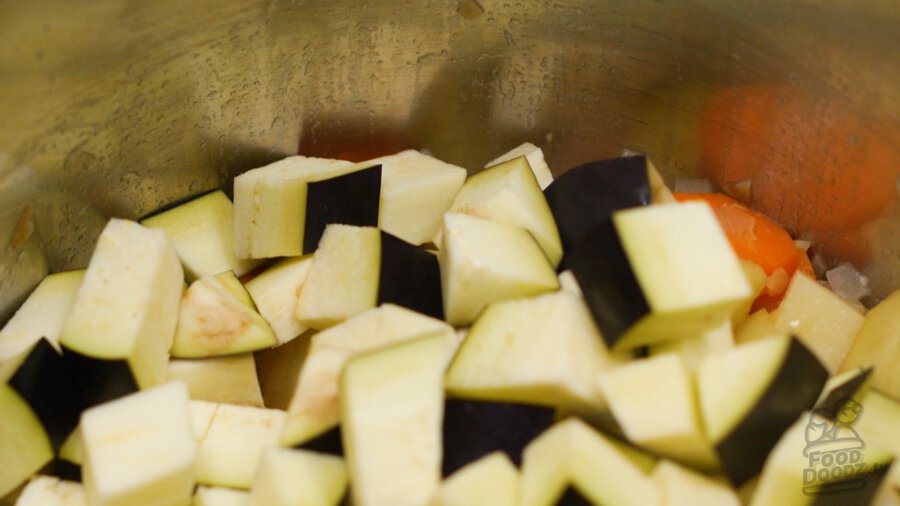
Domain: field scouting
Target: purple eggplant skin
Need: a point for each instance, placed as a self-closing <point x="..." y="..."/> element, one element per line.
<point x="176" y="203"/>
<point x="329" y="442"/>
<point x="350" y="199"/>
<point x="860" y="489"/>
<point x="572" y="497"/>
<point x="473" y="429"/>
<point x="794" y="389"/>
<point x="99" y="380"/>
<point x="607" y="281"/>
<point x="843" y="393"/>
<point x="51" y="389"/>
<point x="410" y="277"/>
<point x="587" y="195"/>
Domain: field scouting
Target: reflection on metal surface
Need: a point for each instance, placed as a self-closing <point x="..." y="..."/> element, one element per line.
<point x="119" y="106"/>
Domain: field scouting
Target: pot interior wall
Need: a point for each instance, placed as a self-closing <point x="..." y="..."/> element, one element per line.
<point x="114" y="107"/>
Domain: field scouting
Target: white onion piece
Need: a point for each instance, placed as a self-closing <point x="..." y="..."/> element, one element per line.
<point x="802" y="245"/>
<point x="847" y="282"/>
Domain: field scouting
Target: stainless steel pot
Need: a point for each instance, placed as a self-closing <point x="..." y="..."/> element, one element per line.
<point x="115" y="107"/>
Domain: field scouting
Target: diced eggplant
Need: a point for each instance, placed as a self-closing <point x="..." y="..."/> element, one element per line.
<point x="817" y="463"/>
<point x="276" y="291"/>
<point x="220" y="496"/>
<point x="392" y="404"/>
<point x="681" y="486"/>
<point x="349" y="199"/>
<point x="291" y="477"/>
<point x="24" y="445"/>
<point x="877" y="344"/>
<point x="139" y="450"/>
<point x="571" y="454"/>
<point x="877" y="426"/>
<point x="217" y="317"/>
<point x="586" y="196"/>
<point x="824" y="322"/>
<point x="843" y="389"/>
<point x="484" y="261"/>
<point x="357" y="268"/>
<point x="314" y="406"/>
<point x="535" y="157"/>
<point x="65" y="470"/>
<point x="492" y="480"/>
<point x="473" y="429"/>
<point x="330" y="442"/>
<point x="750" y="395"/>
<point x="127" y="306"/>
<point x="409" y="277"/>
<point x="281" y="209"/>
<point x="202" y="233"/>
<point x="862" y="489"/>
<point x="509" y="193"/>
<point x="694" y="349"/>
<point x="658" y="273"/>
<point x="543" y="350"/>
<point x="230" y="452"/>
<point x="343" y="279"/>
<point x="42" y="315"/>
<point x="416" y="190"/>
<point x="230" y="379"/>
<point x="51" y="389"/>
<point x="51" y="491"/>
<point x="654" y="402"/>
<point x="99" y="380"/>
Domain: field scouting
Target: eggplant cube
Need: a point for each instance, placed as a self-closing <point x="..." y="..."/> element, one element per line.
<point x="571" y="453"/>
<point x="127" y="306"/>
<point x="509" y="193"/>
<point x="202" y="232"/>
<point x="821" y="319"/>
<point x="416" y="190"/>
<point x="542" y="350"/>
<point x="24" y="445"/>
<point x="654" y="402"/>
<point x="586" y="196"/>
<point x="217" y="317"/>
<point x="484" y="261"/>
<point x="877" y="344"/>
<point x="357" y="268"/>
<point x="231" y="379"/>
<point x="535" y="157"/>
<point x="298" y="477"/>
<point x="392" y="404"/>
<point x="51" y="491"/>
<point x="492" y="480"/>
<point x="276" y="291"/>
<point x="283" y="208"/>
<point x="42" y="315"/>
<point x="139" y="450"/>
<point x="314" y="406"/>
<point x="686" y="270"/>
<point x="750" y="395"/>
<point x="343" y="279"/>
<point x="230" y="452"/>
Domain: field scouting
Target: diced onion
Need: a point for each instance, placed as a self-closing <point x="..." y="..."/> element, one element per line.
<point x="847" y="282"/>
